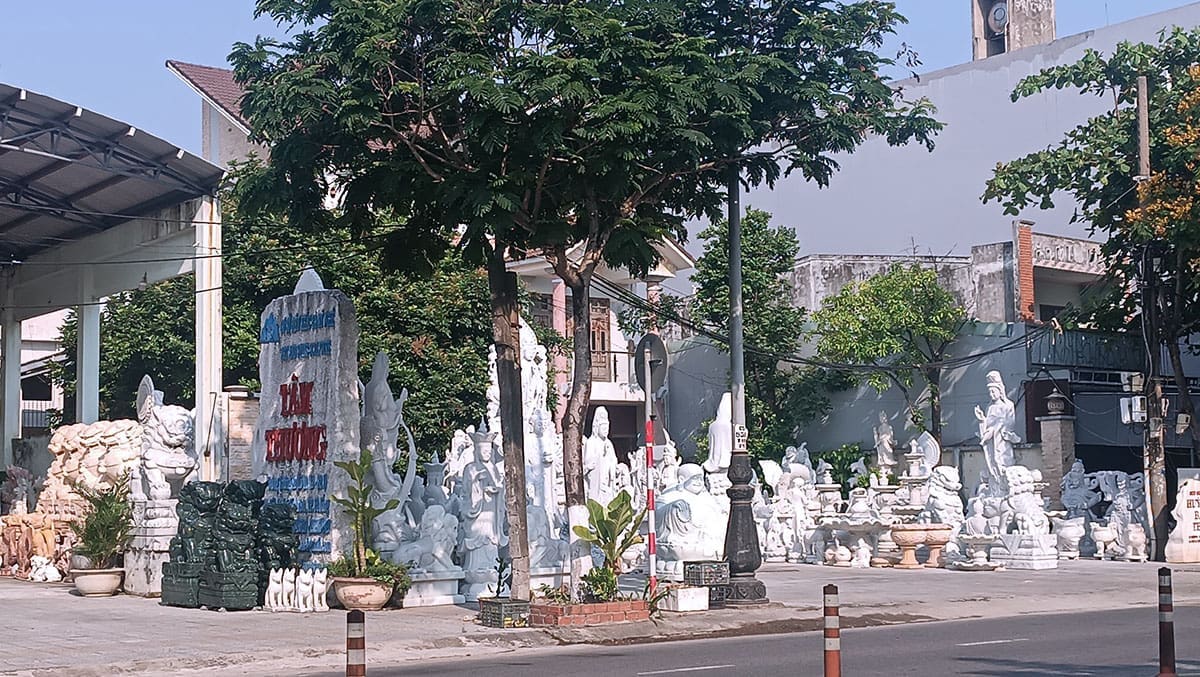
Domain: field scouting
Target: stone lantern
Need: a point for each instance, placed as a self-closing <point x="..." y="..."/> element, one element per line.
<point x="1056" y="403"/>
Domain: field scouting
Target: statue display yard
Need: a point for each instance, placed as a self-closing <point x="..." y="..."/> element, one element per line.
<point x="309" y="412"/>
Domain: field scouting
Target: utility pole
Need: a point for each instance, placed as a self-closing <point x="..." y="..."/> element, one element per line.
<point x="1154" y="460"/>
<point x="741" y="535"/>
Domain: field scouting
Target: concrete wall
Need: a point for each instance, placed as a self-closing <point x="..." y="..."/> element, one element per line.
<point x="818" y="277"/>
<point x="221" y="140"/>
<point x="884" y="198"/>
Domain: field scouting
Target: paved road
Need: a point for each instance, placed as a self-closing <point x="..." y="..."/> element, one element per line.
<point x="1113" y="643"/>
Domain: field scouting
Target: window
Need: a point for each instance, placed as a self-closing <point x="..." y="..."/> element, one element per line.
<point x="602" y="358"/>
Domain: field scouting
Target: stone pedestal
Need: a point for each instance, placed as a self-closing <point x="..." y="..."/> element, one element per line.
<point x="154" y="524"/>
<point x="1183" y="546"/>
<point x="1058" y="454"/>
<point x="1023" y="551"/>
<point x="435" y="589"/>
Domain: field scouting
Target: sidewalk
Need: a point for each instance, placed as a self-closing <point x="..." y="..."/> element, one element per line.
<point x="53" y="632"/>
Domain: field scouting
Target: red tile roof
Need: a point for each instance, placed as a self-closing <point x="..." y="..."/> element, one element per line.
<point x="216" y="84"/>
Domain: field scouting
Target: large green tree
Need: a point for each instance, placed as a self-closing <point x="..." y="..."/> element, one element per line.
<point x="892" y="329"/>
<point x="1152" y="226"/>
<point x="585" y="131"/>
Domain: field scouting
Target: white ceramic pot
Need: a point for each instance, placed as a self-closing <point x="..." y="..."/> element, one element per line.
<point x="362" y="594"/>
<point x="98" y="582"/>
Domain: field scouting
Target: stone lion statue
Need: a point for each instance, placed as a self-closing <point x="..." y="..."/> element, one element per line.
<point x="168" y="456"/>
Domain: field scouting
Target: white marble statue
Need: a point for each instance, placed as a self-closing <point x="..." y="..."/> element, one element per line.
<point x="482" y="510"/>
<point x="273" y="600"/>
<point x="944" y="505"/>
<point x="996" y="432"/>
<point x="720" y="438"/>
<point x="600" y="460"/>
<point x="381" y="419"/>
<point x="433" y="550"/>
<point x="304" y="591"/>
<point x="668" y="469"/>
<point x="168" y="456"/>
<point x="543" y="462"/>
<point x="1022" y="511"/>
<point x="288" y="593"/>
<point x="691" y="524"/>
<point x="796" y="461"/>
<point x="321" y="589"/>
<point x="42" y="570"/>
<point x="885" y="444"/>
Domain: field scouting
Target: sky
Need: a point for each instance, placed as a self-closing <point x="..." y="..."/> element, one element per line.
<point x="109" y="56"/>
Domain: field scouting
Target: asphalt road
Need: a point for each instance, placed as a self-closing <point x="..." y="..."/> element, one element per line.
<point x="1123" y="643"/>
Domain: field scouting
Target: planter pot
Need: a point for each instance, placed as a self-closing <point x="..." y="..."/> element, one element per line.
<point x="98" y="582"/>
<point x="908" y="537"/>
<point x="936" y="537"/>
<point x="361" y="594"/>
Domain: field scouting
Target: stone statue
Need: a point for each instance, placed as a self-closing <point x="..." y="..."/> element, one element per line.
<point x="797" y="462"/>
<point x="668" y="470"/>
<point x="288" y="594"/>
<point x="691" y="524"/>
<point x="1023" y="511"/>
<point x="943" y="505"/>
<point x="43" y="571"/>
<point x="304" y="591"/>
<point x="1076" y="497"/>
<point x="16" y="490"/>
<point x="540" y="461"/>
<point x="432" y="552"/>
<point x="600" y="460"/>
<point x="380" y="422"/>
<point x="885" y="444"/>
<point x="273" y="600"/>
<point x="482" y="504"/>
<point x="996" y="431"/>
<point x="321" y="589"/>
<point x="168" y="456"/>
<point x="720" y="438"/>
<point x="976" y="524"/>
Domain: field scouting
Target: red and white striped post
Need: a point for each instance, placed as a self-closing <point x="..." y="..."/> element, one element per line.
<point x="356" y="644"/>
<point x="833" y="633"/>
<point x="651" y="539"/>
<point x="1166" y="625"/>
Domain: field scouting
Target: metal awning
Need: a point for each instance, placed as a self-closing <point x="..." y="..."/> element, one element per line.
<point x="67" y="172"/>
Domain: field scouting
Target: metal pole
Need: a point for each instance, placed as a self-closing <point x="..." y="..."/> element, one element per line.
<point x="833" y="633"/>
<point x="651" y="540"/>
<point x="1166" y="625"/>
<point x="741" y="534"/>
<point x="356" y="644"/>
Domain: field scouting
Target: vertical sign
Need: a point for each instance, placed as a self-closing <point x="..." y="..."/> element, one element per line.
<point x="309" y="412"/>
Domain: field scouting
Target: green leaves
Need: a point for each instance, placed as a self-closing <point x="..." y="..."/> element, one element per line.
<point x="106" y="528"/>
<point x="612" y="528"/>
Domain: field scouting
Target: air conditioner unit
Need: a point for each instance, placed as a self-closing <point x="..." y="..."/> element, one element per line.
<point x="1137" y="408"/>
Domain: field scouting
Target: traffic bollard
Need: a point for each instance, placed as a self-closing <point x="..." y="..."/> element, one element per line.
<point x="833" y="633"/>
<point x="356" y="644"/>
<point x="1166" y="625"/>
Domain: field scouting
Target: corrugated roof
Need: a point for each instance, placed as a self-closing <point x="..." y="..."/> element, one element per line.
<point x="67" y="172"/>
<point x="215" y="84"/>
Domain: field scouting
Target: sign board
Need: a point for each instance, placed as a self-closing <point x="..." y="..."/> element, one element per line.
<point x="651" y="343"/>
<point x="309" y="414"/>
<point x="741" y="436"/>
<point x="1067" y="253"/>
<point x="1183" y="545"/>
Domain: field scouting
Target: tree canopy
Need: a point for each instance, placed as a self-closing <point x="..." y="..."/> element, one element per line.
<point x="900" y="324"/>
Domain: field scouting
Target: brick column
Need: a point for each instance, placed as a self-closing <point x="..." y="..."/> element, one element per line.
<point x="1026" y="303"/>
<point x="1058" y="454"/>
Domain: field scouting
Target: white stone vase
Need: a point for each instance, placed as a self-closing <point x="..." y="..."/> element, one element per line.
<point x="97" y="582"/>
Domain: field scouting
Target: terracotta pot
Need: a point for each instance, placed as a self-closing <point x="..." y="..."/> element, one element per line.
<point x="908" y="537"/>
<point x="936" y="537"/>
<point x="98" y="582"/>
<point x="361" y="594"/>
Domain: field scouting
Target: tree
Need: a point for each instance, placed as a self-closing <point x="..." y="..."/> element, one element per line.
<point x="780" y="398"/>
<point x="898" y="325"/>
<point x="584" y="131"/>
<point x="1145" y="221"/>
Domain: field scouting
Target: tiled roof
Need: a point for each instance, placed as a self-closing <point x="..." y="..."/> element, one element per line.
<point x="216" y="84"/>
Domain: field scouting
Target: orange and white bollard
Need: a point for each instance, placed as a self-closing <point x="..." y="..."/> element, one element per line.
<point x="1166" y="625"/>
<point x="356" y="644"/>
<point x="833" y="633"/>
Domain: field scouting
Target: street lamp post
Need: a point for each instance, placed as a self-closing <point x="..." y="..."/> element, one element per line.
<point x="741" y="534"/>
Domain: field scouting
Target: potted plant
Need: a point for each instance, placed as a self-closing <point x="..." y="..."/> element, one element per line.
<point x="101" y="539"/>
<point x="612" y="529"/>
<point x="362" y="579"/>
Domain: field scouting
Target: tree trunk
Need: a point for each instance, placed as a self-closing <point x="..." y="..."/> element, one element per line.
<point x="506" y="322"/>
<point x="1186" y="406"/>
<point x="934" y="378"/>
<point x="573" y="421"/>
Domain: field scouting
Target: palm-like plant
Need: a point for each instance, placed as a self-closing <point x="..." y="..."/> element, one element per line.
<point x="105" y="530"/>
<point x="357" y="504"/>
<point x="612" y="528"/>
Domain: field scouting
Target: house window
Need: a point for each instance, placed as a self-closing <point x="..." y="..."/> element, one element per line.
<point x="1048" y="312"/>
<point x="602" y="357"/>
<point x="542" y="310"/>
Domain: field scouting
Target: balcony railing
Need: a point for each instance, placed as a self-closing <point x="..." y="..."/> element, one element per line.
<point x="34" y="413"/>
<point x="1089" y="349"/>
